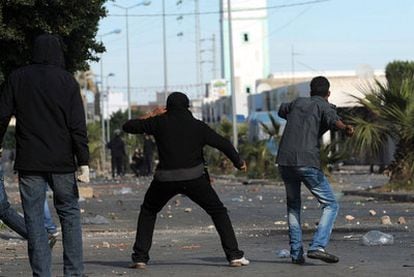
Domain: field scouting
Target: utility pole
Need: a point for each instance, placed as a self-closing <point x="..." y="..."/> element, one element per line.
<point x="223" y="64"/>
<point x="233" y="90"/>
<point x="199" y="77"/>
<point x="164" y="43"/>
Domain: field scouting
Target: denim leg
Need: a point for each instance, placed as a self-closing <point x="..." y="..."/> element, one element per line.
<point x="201" y="192"/>
<point x="294" y="204"/>
<point x="8" y="215"/>
<point x="32" y="191"/>
<point x="49" y="224"/>
<point x="157" y="195"/>
<point x="65" y="198"/>
<point x="316" y="182"/>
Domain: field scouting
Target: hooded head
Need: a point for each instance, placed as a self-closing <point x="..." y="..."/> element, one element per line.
<point x="178" y="101"/>
<point x="47" y="49"/>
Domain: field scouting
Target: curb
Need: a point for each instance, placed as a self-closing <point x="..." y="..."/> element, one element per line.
<point x="398" y="197"/>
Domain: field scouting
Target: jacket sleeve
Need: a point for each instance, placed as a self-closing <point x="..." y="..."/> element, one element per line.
<point x="77" y="127"/>
<point x="284" y="109"/>
<point x="215" y="140"/>
<point x="6" y="107"/>
<point x="140" y="126"/>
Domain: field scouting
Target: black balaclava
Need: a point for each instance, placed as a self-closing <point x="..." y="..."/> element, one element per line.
<point x="177" y="101"/>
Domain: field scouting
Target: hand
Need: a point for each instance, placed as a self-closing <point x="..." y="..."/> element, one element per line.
<point x="244" y="167"/>
<point x="154" y="112"/>
<point x="349" y="131"/>
<point x="84" y="176"/>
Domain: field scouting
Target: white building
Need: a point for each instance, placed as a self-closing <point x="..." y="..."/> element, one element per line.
<point x="250" y="47"/>
<point x="116" y="101"/>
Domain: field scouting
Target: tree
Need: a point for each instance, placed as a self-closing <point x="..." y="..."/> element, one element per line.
<point x="391" y="115"/>
<point x="397" y="71"/>
<point x="75" y="22"/>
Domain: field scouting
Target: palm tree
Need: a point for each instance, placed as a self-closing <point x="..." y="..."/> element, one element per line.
<point x="391" y="115"/>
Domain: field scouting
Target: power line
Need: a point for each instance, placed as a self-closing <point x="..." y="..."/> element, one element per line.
<point x="233" y="11"/>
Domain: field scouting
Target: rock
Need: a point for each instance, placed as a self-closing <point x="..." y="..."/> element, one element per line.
<point x="386" y="220"/>
<point x="85" y="192"/>
<point x="188" y="210"/>
<point x="401" y="220"/>
<point x="106" y="244"/>
<point x="210" y="227"/>
<point x="372" y="212"/>
<point x="280" y="223"/>
<point x="97" y="220"/>
<point x="177" y="202"/>
<point x="349" y="217"/>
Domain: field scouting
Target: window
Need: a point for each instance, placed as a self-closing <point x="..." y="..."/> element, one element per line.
<point x="245" y="37"/>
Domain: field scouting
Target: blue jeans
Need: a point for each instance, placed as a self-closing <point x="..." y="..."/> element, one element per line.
<point x="8" y="215"/>
<point x="49" y="224"/>
<point x="65" y="197"/>
<point x="318" y="185"/>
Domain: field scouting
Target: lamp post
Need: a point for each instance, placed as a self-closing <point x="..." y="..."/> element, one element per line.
<point x="233" y="90"/>
<point x="108" y="121"/>
<point x="126" y="9"/>
<point x="115" y="31"/>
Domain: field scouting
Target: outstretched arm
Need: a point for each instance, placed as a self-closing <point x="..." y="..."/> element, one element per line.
<point x="215" y="140"/>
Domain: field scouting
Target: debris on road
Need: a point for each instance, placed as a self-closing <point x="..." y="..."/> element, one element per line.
<point x="401" y="220"/>
<point x="386" y="220"/>
<point x="349" y="217"/>
<point x="372" y="212"/>
<point x="373" y="238"/>
<point x="97" y="220"/>
<point x="284" y="253"/>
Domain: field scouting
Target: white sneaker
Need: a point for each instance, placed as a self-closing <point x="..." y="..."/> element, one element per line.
<point x="239" y="262"/>
<point x="138" y="265"/>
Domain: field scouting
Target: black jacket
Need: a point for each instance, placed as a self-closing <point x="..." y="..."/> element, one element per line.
<point x="117" y="147"/>
<point x="50" y="118"/>
<point x="180" y="138"/>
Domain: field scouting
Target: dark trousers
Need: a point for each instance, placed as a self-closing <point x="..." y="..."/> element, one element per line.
<point x="198" y="190"/>
<point x="117" y="165"/>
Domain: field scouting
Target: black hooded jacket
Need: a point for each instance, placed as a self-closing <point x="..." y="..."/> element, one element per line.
<point x="50" y="118"/>
<point x="180" y="137"/>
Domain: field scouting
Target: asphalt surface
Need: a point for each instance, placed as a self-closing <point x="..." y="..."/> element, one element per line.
<point x="186" y="243"/>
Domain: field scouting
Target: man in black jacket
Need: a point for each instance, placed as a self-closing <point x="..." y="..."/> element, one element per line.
<point x="50" y="133"/>
<point x="180" y="139"/>
<point x="117" y="147"/>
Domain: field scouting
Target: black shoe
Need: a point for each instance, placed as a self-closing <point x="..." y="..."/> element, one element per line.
<point x="298" y="261"/>
<point x="320" y="254"/>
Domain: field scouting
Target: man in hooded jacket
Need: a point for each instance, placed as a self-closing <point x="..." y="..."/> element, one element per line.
<point x="180" y="139"/>
<point x="50" y="133"/>
<point x="117" y="147"/>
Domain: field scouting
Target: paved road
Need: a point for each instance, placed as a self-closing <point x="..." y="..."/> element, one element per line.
<point x="186" y="244"/>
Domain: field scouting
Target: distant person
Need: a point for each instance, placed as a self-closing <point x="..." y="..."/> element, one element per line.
<point x="308" y="118"/>
<point x="149" y="147"/>
<point x="180" y="139"/>
<point x="51" y="142"/>
<point x="117" y="147"/>
<point x="138" y="163"/>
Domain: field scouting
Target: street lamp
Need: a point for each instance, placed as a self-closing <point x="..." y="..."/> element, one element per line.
<point x="108" y="122"/>
<point x="115" y="31"/>
<point x="143" y="3"/>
